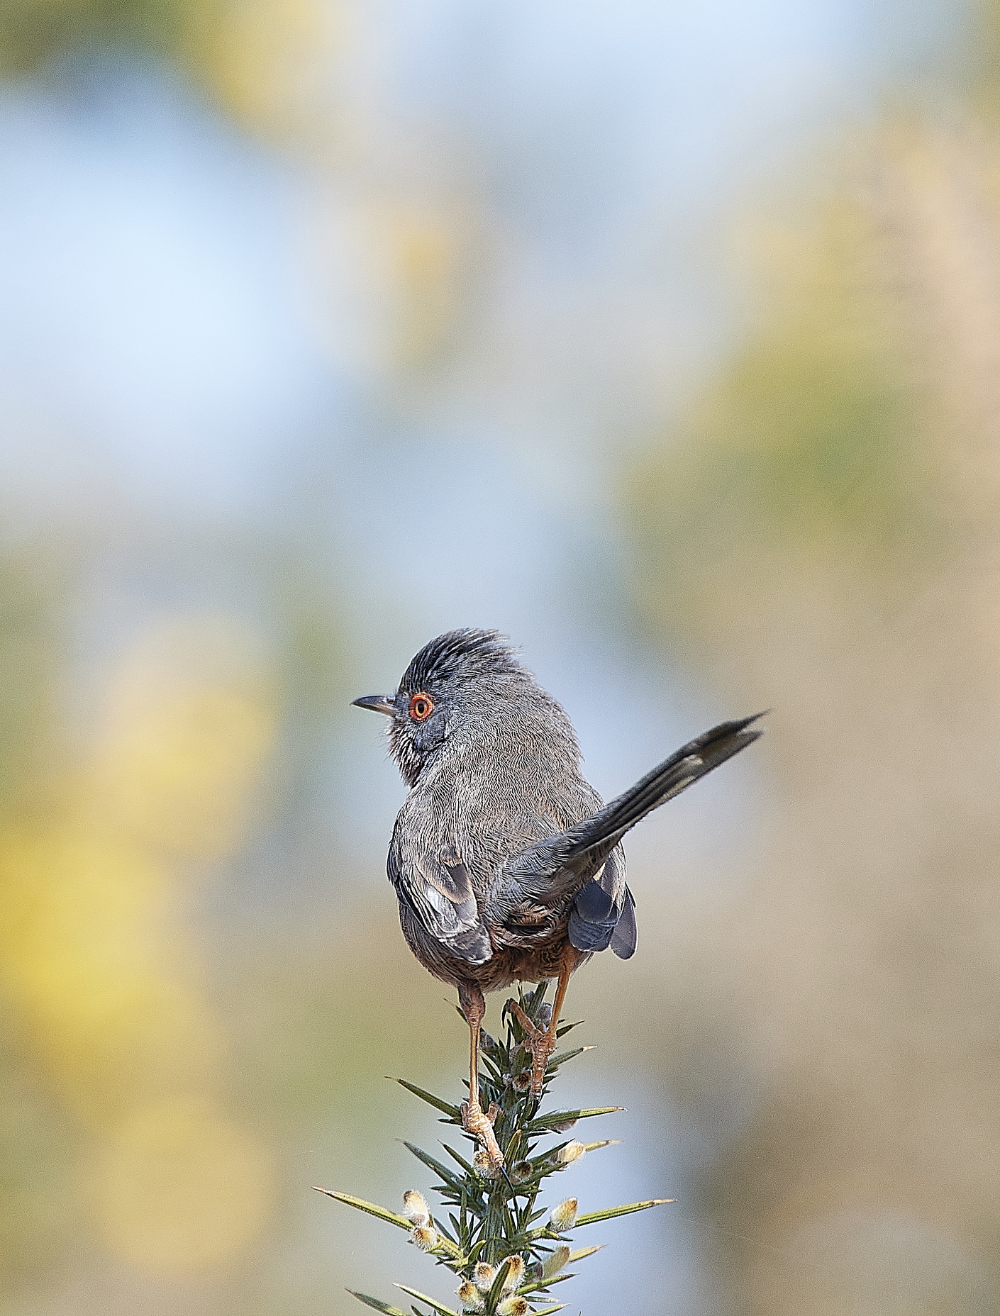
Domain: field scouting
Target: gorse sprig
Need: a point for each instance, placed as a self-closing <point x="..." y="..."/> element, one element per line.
<point x="505" y="1248"/>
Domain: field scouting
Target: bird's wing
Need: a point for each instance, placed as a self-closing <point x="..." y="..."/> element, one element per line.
<point x="438" y="890"/>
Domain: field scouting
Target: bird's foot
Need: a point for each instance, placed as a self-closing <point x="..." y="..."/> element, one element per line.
<point x="480" y="1123"/>
<point x="540" y="1042"/>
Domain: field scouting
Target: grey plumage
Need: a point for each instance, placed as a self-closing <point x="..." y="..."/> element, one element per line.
<point x="503" y="855"/>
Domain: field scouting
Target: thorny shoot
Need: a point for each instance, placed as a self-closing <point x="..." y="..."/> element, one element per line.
<point x="505" y="1249"/>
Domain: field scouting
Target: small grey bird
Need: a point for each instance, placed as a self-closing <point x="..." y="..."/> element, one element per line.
<point x="505" y="863"/>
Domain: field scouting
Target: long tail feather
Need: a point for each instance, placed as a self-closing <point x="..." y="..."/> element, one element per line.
<point x="675" y="774"/>
<point x="558" y="867"/>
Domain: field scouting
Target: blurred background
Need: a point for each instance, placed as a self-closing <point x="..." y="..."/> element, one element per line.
<point x="663" y="337"/>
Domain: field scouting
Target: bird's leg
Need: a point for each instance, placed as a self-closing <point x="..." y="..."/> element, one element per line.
<point x="542" y="1042"/>
<point x="474" y="1119"/>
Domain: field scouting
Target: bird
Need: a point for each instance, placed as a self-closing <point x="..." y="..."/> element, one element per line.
<point x="506" y="863"/>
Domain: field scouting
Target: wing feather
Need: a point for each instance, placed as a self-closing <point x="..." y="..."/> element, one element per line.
<point x="601" y="913"/>
<point x="438" y="890"/>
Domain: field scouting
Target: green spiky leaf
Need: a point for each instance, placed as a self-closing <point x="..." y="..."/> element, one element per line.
<point x="390" y="1217"/>
<point x="447" y="1176"/>
<point x="497" y="1288"/>
<point x="592" y="1217"/>
<point x="461" y="1161"/>
<point x="431" y="1302"/>
<point x="565" y="1028"/>
<point x="437" y="1102"/>
<point x="544" y="1284"/>
<point x="563" y="1056"/>
<point x="545" y="1123"/>
<point x="583" y="1252"/>
<point x="376" y="1303"/>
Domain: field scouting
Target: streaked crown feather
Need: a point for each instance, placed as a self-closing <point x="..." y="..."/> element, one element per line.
<point x="461" y="655"/>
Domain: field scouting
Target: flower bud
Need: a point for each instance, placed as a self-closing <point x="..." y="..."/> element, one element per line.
<point x="485" y="1166"/>
<point x="484" y="1275"/>
<point x="563" y="1216"/>
<point x="513" y="1306"/>
<point x="544" y="1015"/>
<point x="568" y="1154"/>
<point x="515" y="1274"/>
<point x="555" y="1261"/>
<point x="521" y="1170"/>
<point x="425" y="1238"/>
<point x="486" y="1042"/>
<point x="415" y="1208"/>
<point x="470" y="1297"/>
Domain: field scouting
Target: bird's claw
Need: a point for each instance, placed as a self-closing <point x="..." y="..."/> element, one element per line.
<point x="480" y="1123"/>
<point x="540" y="1042"/>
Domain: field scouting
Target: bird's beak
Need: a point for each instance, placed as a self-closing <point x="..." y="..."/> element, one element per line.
<point x="377" y="703"/>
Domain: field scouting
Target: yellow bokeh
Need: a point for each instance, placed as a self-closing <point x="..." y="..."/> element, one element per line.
<point x="268" y="60"/>
<point x="181" y="1187"/>
<point x="186" y="728"/>
<point x="100" y="959"/>
<point x="420" y="254"/>
<point x="92" y="964"/>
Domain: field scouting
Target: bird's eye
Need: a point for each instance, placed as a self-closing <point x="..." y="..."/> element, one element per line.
<point x="421" y="707"/>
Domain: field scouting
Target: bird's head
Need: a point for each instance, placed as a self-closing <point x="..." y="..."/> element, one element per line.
<point x="459" y="676"/>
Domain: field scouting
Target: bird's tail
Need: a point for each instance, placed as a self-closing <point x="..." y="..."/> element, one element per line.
<point x="558" y="866"/>
<point x="607" y="826"/>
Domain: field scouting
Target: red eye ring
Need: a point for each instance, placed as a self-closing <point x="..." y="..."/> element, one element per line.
<point x="421" y="707"/>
